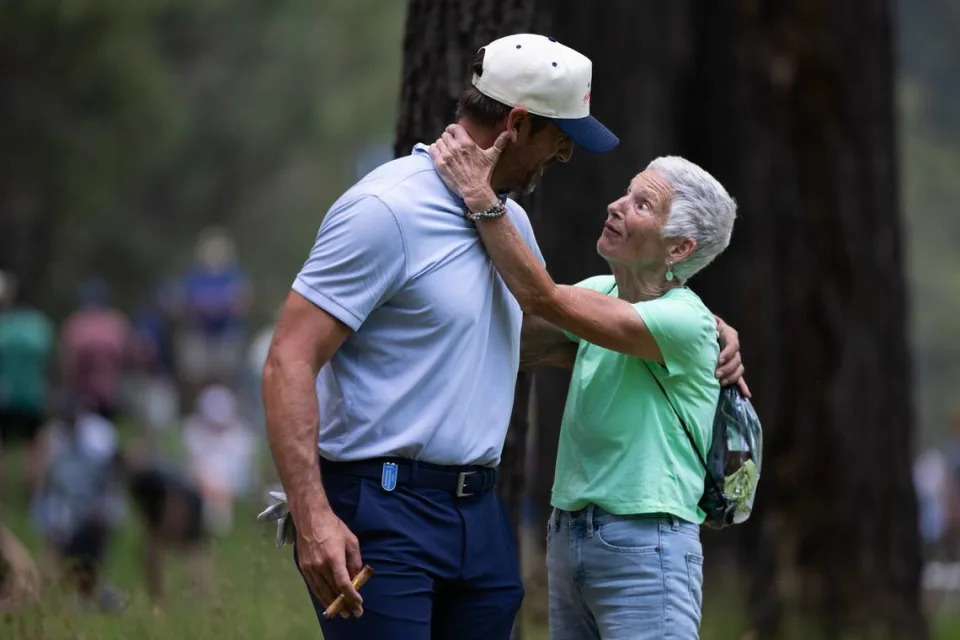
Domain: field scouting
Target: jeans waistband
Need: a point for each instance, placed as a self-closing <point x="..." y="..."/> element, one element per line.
<point x="601" y="511"/>
<point x="461" y="481"/>
<point x="592" y="514"/>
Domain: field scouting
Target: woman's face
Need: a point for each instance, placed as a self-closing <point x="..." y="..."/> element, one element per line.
<point x="631" y="233"/>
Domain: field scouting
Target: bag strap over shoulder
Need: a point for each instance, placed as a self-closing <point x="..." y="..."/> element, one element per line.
<point x="686" y="430"/>
<point x="679" y="417"/>
<point x="683" y="424"/>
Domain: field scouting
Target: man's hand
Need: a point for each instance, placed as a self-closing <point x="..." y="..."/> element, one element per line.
<point x="329" y="557"/>
<point x="305" y="339"/>
<point x="730" y="367"/>
<point x="465" y="167"/>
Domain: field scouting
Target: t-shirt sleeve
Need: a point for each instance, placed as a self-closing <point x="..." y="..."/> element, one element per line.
<point x="357" y="262"/>
<point x="601" y="284"/>
<point x="680" y="328"/>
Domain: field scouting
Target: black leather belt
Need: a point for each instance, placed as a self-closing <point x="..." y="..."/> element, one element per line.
<point x="461" y="481"/>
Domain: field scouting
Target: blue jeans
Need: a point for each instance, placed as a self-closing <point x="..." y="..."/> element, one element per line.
<point x="631" y="577"/>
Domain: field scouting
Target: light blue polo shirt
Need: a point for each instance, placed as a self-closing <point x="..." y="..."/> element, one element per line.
<point x="429" y="370"/>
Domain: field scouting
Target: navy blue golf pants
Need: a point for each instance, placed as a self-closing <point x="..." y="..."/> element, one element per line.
<point x="444" y="567"/>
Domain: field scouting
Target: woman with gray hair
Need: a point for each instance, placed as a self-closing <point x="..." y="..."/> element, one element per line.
<point x="624" y="557"/>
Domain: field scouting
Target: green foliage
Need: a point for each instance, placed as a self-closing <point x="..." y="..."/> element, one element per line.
<point x="930" y="164"/>
<point x="132" y="125"/>
<point x="84" y="85"/>
<point x="929" y="51"/>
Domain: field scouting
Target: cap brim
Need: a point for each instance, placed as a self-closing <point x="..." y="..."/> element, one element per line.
<point x="588" y="133"/>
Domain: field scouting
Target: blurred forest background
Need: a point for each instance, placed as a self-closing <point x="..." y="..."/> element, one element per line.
<point x="130" y="127"/>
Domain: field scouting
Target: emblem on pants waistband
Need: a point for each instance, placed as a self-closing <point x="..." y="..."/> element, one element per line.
<point x="388" y="477"/>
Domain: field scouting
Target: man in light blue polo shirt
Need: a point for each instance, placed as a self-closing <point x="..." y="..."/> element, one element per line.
<point x="402" y="343"/>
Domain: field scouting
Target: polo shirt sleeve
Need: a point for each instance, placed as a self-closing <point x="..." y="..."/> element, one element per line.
<point x="680" y="327"/>
<point x="357" y="262"/>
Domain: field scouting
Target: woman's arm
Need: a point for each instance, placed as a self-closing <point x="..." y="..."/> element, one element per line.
<point x="598" y="318"/>
<point x="595" y="317"/>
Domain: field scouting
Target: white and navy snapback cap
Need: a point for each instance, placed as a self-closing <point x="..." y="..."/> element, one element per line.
<point x="548" y="79"/>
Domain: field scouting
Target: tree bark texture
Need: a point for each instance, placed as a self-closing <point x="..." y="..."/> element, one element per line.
<point x="804" y="134"/>
<point x="439" y="44"/>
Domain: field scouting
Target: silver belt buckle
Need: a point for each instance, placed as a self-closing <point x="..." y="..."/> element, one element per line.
<point x="462" y="480"/>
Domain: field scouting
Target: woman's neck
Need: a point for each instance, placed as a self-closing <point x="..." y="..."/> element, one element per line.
<point x="635" y="284"/>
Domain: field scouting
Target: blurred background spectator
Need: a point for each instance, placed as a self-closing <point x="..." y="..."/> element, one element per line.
<point x="26" y="343"/>
<point x="150" y="389"/>
<point x="172" y="511"/>
<point x="221" y="453"/>
<point x="216" y="301"/>
<point x="78" y="500"/>
<point x="94" y="347"/>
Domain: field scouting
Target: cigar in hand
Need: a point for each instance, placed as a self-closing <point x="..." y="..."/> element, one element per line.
<point x="361" y="579"/>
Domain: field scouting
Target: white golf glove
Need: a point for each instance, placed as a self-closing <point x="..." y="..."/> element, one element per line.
<point x="286" y="533"/>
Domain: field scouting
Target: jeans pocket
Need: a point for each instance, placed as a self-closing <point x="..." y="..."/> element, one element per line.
<point x="629" y="535"/>
<point x="695" y="580"/>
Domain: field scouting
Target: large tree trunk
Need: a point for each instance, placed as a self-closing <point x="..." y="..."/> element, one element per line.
<point x="791" y="105"/>
<point x="799" y="123"/>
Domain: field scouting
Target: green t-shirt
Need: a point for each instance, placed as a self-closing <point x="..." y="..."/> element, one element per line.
<point x="26" y="341"/>
<point x="621" y="445"/>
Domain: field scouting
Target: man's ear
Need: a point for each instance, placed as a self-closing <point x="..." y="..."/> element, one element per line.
<point x="517" y="119"/>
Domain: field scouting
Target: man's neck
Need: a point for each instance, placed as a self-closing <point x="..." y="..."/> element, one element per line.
<point x="485" y="137"/>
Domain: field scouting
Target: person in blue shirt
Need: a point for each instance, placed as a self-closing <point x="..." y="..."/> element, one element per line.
<point x="390" y="379"/>
<point x="216" y="299"/>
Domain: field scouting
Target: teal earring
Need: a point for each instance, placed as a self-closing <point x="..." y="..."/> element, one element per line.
<point x="669" y="272"/>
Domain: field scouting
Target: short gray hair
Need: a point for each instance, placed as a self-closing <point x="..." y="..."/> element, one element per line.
<point x="700" y="209"/>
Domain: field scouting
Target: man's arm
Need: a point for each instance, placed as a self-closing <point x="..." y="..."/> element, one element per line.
<point x="305" y="339"/>
<point x="730" y="367"/>
<point x="545" y="345"/>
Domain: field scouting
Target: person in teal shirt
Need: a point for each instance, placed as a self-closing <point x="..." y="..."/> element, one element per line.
<point x="26" y="343"/>
<point x="624" y="558"/>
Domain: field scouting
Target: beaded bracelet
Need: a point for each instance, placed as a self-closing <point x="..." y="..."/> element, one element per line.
<point x="495" y="211"/>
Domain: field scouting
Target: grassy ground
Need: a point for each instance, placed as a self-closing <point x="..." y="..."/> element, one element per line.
<point x="256" y="592"/>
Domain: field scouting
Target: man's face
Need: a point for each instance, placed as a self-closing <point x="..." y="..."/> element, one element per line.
<point x="532" y="153"/>
<point x="631" y="233"/>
